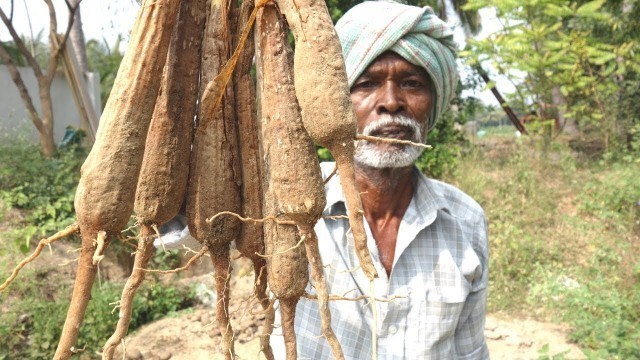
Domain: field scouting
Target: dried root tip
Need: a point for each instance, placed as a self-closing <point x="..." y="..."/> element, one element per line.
<point x="100" y="241"/>
<point x="354" y="210"/>
<point x="260" y="290"/>
<point x="315" y="261"/>
<point x="85" y="276"/>
<point x="265" y="345"/>
<point x="71" y="229"/>
<point x="144" y="253"/>
<point x="288" y="313"/>
<point x="392" y="141"/>
<point x="222" y="267"/>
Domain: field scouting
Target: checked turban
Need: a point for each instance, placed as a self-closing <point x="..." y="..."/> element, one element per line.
<point x="417" y="34"/>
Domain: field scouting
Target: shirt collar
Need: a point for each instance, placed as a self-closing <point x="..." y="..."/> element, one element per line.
<point x="426" y="200"/>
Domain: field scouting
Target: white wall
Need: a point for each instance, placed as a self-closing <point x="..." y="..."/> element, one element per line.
<point x="14" y="119"/>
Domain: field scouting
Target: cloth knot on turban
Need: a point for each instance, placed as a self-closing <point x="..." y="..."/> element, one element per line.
<point x="417" y="34"/>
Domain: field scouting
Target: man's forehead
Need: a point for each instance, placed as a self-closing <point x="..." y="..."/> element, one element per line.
<point x="379" y="65"/>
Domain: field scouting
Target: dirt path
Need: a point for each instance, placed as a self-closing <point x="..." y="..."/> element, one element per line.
<point x="193" y="334"/>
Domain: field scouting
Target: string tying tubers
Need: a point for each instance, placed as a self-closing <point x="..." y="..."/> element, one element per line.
<point x="104" y="198"/>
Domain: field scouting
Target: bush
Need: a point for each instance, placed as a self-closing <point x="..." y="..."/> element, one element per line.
<point x="447" y="142"/>
<point x="42" y="188"/>
<point x="563" y="240"/>
<point x="26" y="334"/>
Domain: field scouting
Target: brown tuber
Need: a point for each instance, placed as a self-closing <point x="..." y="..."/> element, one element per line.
<point x="165" y="168"/>
<point x="250" y="243"/>
<point x="104" y="198"/>
<point x="327" y="112"/>
<point x="214" y="179"/>
<point x="295" y="189"/>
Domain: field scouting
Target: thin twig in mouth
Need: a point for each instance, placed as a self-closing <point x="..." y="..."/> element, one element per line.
<point x="392" y="141"/>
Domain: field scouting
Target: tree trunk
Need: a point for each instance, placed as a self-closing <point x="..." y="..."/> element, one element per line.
<point x="507" y="109"/>
<point x="46" y="109"/>
<point x="567" y="125"/>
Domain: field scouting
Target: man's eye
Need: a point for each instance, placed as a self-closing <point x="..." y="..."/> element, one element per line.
<point x="414" y="84"/>
<point x="365" y="84"/>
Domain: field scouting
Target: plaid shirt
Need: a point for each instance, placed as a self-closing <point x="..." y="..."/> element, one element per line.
<point x="432" y="306"/>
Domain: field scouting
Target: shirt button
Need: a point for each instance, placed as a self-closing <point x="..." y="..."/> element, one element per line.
<point x="393" y="329"/>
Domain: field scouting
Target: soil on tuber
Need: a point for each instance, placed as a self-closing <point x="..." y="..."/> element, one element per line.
<point x="295" y="187"/>
<point x="250" y="243"/>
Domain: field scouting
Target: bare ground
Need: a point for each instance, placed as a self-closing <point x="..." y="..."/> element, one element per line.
<point x="193" y="334"/>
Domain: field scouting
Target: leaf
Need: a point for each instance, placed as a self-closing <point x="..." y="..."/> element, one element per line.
<point x="558" y="10"/>
<point x="589" y="9"/>
<point x="603" y="59"/>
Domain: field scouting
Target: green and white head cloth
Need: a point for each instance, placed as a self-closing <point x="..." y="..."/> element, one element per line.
<point x="417" y="34"/>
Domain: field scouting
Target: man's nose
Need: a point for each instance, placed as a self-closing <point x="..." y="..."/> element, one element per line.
<point x="390" y="100"/>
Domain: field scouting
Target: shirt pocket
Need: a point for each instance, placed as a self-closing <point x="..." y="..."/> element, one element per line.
<point x="434" y="330"/>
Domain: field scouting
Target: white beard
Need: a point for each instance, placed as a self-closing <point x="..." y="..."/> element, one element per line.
<point x="368" y="153"/>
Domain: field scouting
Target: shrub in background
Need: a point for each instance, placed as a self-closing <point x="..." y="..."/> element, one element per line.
<point x="26" y="334"/>
<point x="42" y="188"/>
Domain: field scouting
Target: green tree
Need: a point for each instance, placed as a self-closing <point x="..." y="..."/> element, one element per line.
<point x="105" y="61"/>
<point x="563" y="57"/>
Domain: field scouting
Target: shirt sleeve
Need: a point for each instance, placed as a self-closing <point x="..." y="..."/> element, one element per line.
<point x="469" y="336"/>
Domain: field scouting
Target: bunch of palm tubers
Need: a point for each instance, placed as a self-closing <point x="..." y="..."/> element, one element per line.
<point x="185" y="124"/>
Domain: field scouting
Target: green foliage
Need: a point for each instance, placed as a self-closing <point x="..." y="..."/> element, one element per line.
<point x="43" y="188"/>
<point x="447" y="144"/>
<point x="106" y="62"/>
<point x="543" y="354"/>
<point x="603" y="314"/>
<point x="614" y="198"/>
<point x="36" y="46"/>
<point x="26" y="334"/>
<point x="324" y="154"/>
<point x="563" y="240"/>
<point x="585" y="50"/>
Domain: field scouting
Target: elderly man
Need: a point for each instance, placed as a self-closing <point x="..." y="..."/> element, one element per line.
<point x="428" y="240"/>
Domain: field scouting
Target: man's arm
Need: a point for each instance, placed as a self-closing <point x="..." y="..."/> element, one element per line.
<point x="469" y="337"/>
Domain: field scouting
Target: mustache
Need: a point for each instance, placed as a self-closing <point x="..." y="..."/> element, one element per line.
<point x="400" y="120"/>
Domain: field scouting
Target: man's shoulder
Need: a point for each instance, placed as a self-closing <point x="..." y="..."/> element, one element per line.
<point x="455" y="201"/>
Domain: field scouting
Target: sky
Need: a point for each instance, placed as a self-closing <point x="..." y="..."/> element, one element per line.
<point x="106" y="20"/>
<point x="100" y="19"/>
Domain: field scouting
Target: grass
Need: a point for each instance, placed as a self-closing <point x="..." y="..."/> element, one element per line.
<point x="564" y="238"/>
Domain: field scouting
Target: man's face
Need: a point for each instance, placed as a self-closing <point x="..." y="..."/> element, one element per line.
<point x="392" y="98"/>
